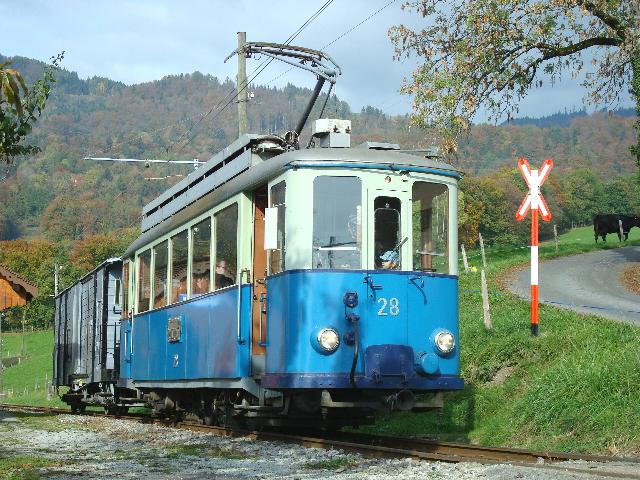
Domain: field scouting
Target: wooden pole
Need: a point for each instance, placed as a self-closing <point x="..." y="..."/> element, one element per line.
<point x="484" y="258"/>
<point x="24" y="318"/>
<point x="555" y="235"/>
<point x="464" y="259"/>
<point x="243" y="124"/>
<point x="621" y="231"/>
<point x="485" y="301"/>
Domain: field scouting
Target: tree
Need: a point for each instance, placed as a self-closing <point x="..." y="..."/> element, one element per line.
<point x="20" y="108"/>
<point x="490" y="53"/>
<point x="91" y="251"/>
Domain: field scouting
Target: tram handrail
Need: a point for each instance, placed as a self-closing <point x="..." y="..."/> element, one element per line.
<point x="242" y="272"/>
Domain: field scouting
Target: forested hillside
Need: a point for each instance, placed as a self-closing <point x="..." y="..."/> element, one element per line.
<point x="57" y="196"/>
<point x="57" y="208"/>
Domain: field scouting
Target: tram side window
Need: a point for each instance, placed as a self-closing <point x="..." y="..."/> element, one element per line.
<point x="226" y="247"/>
<point x="201" y="260"/>
<point x="277" y="256"/>
<point x="125" y="290"/>
<point x="387" y="231"/>
<point x="430" y="212"/>
<point x="180" y="260"/>
<point x="161" y="254"/>
<point x="144" y="281"/>
<point x="337" y="220"/>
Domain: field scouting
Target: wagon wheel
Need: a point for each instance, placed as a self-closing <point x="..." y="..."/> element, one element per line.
<point x="78" y="408"/>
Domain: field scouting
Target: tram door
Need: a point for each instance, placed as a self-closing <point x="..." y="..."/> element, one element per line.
<point x="259" y="307"/>
<point x="388" y="232"/>
<point x="388" y="252"/>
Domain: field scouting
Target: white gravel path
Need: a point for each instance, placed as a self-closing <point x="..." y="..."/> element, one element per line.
<point x="100" y="448"/>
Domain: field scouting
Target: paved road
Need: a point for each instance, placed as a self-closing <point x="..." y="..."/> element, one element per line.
<point x="589" y="283"/>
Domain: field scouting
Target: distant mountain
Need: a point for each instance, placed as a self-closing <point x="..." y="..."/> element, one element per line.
<point x="564" y="119"/>
<point x="59" y="196"/>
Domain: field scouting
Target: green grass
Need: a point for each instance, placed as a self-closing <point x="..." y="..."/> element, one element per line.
<point x="32" y="371"/>
<point x="23" y="467"/>
<point x="585" y="235"/>
<point x="573" y="388"/>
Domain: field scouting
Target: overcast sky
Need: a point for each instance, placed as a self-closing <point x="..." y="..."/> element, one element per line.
<point x="139" y="41"/>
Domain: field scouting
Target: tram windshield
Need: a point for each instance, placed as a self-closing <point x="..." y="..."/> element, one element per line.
<point x="337" y="222"/>
<point x="430" y="212"/>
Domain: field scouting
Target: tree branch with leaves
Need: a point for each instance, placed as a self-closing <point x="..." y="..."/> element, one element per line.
<point x="490" y="53"/>
<point x="20" y="108"/>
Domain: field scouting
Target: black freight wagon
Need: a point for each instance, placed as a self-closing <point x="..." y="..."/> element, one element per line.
<point x="87" y="332"/>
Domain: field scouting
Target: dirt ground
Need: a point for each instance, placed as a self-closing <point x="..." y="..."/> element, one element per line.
<point x="631" y="278"/>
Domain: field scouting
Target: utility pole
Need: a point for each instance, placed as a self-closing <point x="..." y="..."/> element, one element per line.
<point x="56" y="279"/>
<point x="242" y="85"/>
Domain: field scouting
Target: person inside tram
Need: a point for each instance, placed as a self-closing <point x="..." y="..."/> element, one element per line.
<point x="390" y="260"/>
<point x="223" y="277"/>
<point x="200" y="281"/>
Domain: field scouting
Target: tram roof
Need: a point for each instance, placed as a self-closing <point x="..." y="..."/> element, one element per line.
<point x="259" y="174"/>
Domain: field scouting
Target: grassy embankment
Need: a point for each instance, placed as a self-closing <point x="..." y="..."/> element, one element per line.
<point x="31" y="374"/>
<point x="573" y="388"/>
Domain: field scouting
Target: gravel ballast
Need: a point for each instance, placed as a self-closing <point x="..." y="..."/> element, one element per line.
<point x="103" y="448"/>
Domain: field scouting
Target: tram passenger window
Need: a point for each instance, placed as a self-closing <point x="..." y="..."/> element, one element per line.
<point x="125" y="290"/>
<point x="430" y="213"/>
<point x="161" y="254"/>
<point x="201" y="262"/>
<point x="277" y="256"/>
<point x="226" y="247"/>
<point x="337" y="220"/>
<point x="180" y="260"/>
<point x="144" y="281"/>
<point x="387" y="233"/>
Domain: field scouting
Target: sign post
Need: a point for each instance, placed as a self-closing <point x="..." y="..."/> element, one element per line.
<point x="534" y="201"/>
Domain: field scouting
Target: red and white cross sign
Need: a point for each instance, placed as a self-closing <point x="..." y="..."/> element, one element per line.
<point x="534" y="201"/>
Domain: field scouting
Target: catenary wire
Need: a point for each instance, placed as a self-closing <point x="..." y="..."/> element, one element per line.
<point x="231" y="98"/>
<point x="229" y="95"/>
<point x="344" y="34"/>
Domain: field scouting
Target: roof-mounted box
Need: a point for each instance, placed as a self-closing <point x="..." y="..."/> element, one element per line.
<point x="332" y="133"/>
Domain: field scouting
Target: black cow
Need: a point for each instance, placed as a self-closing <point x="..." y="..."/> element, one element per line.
<point x="608" y="223"/>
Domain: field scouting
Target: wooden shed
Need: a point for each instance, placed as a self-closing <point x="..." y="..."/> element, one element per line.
<point x="14" y="290"/>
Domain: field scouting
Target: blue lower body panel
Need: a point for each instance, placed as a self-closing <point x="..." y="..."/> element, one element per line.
<point x="395" y="318"/>
<point x="207" y="345"/>
<point x="341" y="380"/>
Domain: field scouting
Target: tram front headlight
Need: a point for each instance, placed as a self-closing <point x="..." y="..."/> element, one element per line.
<point x="445" y="342"/>
<point x="328" y="339"/>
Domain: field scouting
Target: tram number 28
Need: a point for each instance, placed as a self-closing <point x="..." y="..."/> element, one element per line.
<point x="388" y="306"/>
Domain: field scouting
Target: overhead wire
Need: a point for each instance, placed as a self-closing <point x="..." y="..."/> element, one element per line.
<point x="230" y="96"/>
<point x="344" y="34"/>
<point x="241" y="88"/>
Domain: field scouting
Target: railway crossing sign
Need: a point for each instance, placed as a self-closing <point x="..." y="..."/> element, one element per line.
<point x="534" y="201"/>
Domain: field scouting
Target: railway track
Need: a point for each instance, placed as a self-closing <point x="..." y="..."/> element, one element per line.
<point x="398" y="447"/>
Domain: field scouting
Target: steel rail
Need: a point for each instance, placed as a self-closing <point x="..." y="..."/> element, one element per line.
<point x="377" y="446"/>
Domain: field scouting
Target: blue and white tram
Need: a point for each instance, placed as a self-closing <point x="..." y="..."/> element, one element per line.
<point x="284" y="286"/>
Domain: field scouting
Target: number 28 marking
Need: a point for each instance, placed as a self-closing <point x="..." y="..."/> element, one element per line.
<point x="393" y="304"/>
